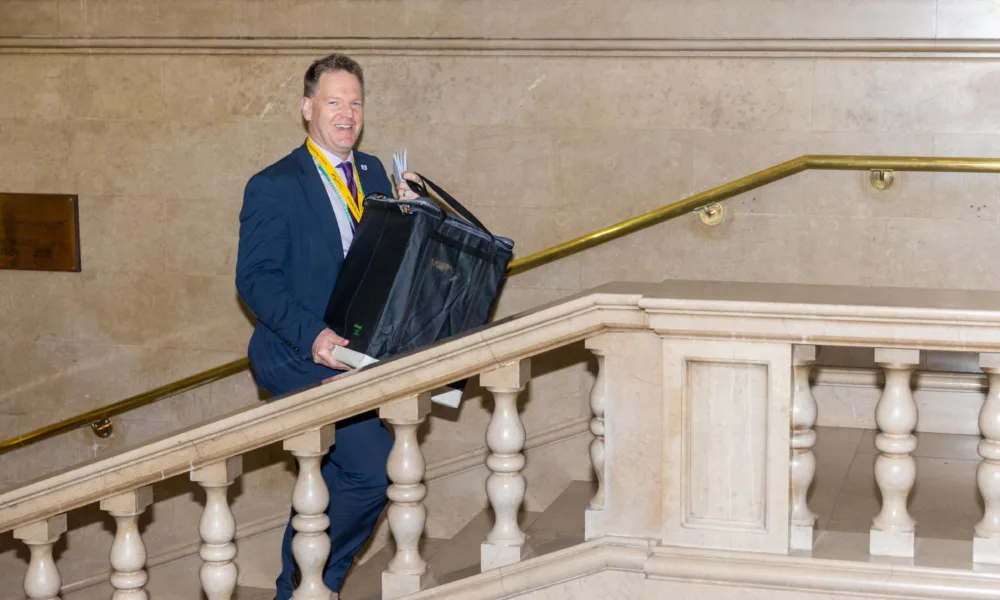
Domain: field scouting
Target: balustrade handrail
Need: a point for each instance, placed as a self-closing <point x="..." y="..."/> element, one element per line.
<point x="895" y="317"/>
<point x="340" y="398"/>
<point x="607" y="234"/>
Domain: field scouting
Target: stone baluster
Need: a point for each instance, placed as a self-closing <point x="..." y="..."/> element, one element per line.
<point x="128" y="553"/>
<point x="986" y="543"/>
<point x="505" y="484"/>
<point x="42" y="581"/>
<point x="803" y="465"/>
<point x="310" y="498"/>
<point x="893" y="530"/>
<point x="598" y="399"/>
<point x="217" y="527"/>
<point x="407" y="514"/>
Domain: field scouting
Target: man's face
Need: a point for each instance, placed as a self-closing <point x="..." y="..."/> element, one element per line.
<point x="335" y="113"/>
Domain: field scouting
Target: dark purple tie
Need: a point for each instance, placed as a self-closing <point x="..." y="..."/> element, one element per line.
<point x="348" y="170"/>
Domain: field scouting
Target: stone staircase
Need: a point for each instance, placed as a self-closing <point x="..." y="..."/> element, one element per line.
<point x="704" y="491"/>
<point x="559" y="526"/>
<point x="844" y="497"/>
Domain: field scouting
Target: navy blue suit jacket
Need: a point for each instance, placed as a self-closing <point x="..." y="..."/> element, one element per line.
<point x="290" y="253"/>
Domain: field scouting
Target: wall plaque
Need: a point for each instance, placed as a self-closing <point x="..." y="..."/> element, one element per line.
<point x="39" y="232"/>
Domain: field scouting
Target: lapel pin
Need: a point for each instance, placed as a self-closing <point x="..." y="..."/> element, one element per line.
<point x="364" y="167"/>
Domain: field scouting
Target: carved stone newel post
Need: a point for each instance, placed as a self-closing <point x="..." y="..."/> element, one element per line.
<point x="217" y="527"/>
<point x="128" y="553"/>
<point x="803" y="467"/>
<point x="986" y="543"/>
<point x="598" y="400"/>
<point x="893" y="530"/>
<point x="311" y="544"/>
<point x="42" y="581"/>
<point x="407" y="514"/>
<point x="505" y="485"/>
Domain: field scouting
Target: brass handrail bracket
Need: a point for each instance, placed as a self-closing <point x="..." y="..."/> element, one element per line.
<point x="102" y="428"/>
<point x="881" y="179"/>
<point x="106" y="412"/>
<point x="713" y="214"/>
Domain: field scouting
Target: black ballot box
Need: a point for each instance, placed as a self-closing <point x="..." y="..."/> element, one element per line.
<point x="415" y="275"/>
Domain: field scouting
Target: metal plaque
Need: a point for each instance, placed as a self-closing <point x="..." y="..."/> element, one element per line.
<point x="39" y="232"/>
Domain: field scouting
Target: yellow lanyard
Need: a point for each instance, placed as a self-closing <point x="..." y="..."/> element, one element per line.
<point x="353" y="204"/>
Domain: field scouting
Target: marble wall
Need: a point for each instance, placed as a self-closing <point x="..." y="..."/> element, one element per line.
<point x="826" y="19"/>
<point x="549" y="119"/>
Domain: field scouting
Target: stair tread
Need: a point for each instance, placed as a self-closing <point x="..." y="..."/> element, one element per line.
<point x="566" y="513"/>
<point x="559" y="526"/>
<point x="364" y="582"/>
<point x="253" y="593"/>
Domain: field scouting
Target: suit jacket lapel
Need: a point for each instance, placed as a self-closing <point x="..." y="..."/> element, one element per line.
<point x="366" y="173"/>
<point x="319" y="200"/>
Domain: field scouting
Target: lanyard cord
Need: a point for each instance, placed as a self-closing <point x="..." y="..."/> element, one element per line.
<point x="342" y="203"/>
<point x="353" y="205"/>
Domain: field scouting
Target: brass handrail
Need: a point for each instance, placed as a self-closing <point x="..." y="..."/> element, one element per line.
<point x="752" y="182"/>
<point x="676" y="209"/>
<point x="147" y="397"/>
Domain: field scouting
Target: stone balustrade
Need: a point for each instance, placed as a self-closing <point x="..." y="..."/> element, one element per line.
<point x="703" y="423"/>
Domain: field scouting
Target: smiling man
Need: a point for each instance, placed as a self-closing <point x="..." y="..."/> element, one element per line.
<point x="297" y="224"/>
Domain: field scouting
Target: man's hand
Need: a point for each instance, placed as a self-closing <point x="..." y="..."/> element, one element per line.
<point x="404" y="191"/>
<point x="324" y="343"/>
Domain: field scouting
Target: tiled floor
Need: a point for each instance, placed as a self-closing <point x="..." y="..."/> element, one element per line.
<point x="944" y="502"/>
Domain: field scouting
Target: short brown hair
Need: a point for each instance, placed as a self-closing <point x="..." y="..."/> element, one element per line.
<point x="331" y="64"/>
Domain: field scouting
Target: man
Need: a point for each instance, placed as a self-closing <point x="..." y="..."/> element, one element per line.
<point x="297" y="223"/>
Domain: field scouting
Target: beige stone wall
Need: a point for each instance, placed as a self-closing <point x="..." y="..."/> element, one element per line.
<point x="545" y="139"/>
<point x="943" y="19"/>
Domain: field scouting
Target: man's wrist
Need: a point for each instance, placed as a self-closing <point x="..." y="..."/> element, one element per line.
<point x="316" y="332"/>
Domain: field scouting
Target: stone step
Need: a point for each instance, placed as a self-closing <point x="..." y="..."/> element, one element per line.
<point x="252" y="593"/>
<point x="364" y="582"/>
<point x="558" y="527"/>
